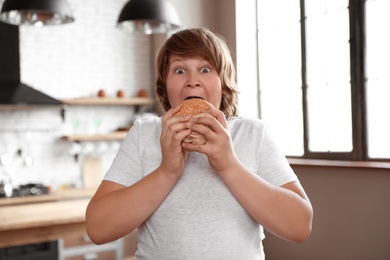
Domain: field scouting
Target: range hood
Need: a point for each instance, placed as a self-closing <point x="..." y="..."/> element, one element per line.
<point x="12" y="91"/>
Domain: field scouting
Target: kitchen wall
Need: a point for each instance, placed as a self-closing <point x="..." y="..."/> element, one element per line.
<point x="351" y="216"/>
<point x="78" y="59"/>
<point x="71" y="61"/>
<point x="217" y="15"/>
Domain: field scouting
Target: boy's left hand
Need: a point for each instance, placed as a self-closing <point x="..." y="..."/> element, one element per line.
<point x="219" y="146"/>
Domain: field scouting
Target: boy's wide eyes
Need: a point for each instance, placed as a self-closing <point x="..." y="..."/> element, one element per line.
<point x="202" y="70"/>
<point x="179" y="71"/>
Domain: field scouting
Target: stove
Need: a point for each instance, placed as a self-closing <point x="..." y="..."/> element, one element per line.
<point x="30" y="189"/>
<point x="37" y="251"/>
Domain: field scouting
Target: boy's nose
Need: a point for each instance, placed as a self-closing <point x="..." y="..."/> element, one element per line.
<point x="193" y="84"/>
<point x="193" y="81"/>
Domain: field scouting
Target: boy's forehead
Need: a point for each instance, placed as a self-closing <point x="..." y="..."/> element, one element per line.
<point x="178" y="58"/>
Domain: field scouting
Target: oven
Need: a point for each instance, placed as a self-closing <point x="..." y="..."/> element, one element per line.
<point x="37" y="251"/>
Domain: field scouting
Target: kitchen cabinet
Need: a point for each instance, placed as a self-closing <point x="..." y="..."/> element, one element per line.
<point x="40" y="222"/>
<point x="135" y="102"/>
<point x="61" y="220"/>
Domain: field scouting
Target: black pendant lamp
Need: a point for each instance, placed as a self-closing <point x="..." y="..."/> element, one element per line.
<point x="148" y="17"/>
<point x="36" y="12"/>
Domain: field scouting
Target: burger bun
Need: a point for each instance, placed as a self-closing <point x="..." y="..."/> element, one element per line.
<point x="194" y="107"/>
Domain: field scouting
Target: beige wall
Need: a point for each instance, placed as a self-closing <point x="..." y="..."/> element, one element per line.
<point x="351" y="216"/>
<point x="217" y="15"/>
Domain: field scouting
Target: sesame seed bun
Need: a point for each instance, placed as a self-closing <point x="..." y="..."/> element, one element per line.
<point x="194" y="107"/>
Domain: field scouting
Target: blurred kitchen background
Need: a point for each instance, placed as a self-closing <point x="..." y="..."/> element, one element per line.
<point x="72" y="61"/>
<point x="76" y="60"/>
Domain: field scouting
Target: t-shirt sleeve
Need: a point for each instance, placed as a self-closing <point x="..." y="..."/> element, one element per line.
<point x="126" y="167"/>
<point x="273" y="164"/>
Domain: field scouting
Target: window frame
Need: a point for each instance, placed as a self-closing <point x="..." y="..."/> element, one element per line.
<point x="358" y="90"/>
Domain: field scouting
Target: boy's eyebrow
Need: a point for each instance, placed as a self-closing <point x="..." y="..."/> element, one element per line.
<point x="176" y="59"/>
<point x="180" y="59"/>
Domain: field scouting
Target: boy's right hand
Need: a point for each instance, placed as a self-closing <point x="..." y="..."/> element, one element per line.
<point x="173" y="132"/>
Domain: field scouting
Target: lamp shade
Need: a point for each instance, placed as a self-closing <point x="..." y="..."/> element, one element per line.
<point x="36" y="12"/>
<point x="148" y="17"/>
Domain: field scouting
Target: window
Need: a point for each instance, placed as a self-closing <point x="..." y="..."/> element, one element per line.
<point x="324" y="76"/>
<point x="378" y="78"/>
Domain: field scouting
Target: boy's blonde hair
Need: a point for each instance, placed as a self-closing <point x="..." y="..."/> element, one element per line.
<point x="199" y="42"/>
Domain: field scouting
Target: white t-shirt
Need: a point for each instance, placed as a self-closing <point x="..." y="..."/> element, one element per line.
<point x="200" y="218"/>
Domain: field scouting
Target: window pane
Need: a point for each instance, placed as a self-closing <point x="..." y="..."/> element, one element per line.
<point x="280" y="72"/>
<point x="328" y="76"/>
<point x="378" y="78"/>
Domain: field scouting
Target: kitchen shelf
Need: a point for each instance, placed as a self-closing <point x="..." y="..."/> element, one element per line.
<point x="105" y="101"/>
<point x="114" y="136"/>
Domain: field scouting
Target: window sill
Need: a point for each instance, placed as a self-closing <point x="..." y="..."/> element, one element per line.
<point x="338" y="163"/>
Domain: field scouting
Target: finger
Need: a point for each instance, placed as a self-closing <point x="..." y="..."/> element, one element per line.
<point x="174" y="129"/>
<point x="194" y="148"/>
<point x="210" y="123"/>
<point x="219" y="115"/>
<point x="170" y="113"/>
<point x="179" y="136"/>
<point x="201" y="128"/>
<point x="169" y="122"/>
<point x="175" y="126"/>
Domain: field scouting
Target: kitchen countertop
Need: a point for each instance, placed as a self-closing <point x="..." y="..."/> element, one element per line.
<point x="23" y="223"/>
<point x="55" y="196"/>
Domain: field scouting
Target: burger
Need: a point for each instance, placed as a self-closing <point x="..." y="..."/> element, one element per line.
<point x="194" y="107"/>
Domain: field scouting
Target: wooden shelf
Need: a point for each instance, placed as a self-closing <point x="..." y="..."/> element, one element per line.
<point x="105" y="101"/>
<point x="118" y="135"/>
